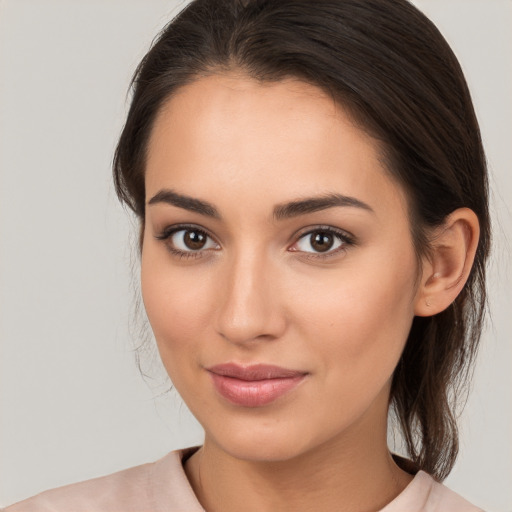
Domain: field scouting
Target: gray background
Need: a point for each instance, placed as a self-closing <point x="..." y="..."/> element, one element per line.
<point x="73" y="405"/>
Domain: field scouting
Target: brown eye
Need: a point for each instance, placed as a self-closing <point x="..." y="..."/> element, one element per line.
<point x="321" y="241"/>
<point x="191" y="240"/>
<point x="194" y="240"/>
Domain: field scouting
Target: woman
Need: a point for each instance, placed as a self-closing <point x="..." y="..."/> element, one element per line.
<point x="312" y="196"/>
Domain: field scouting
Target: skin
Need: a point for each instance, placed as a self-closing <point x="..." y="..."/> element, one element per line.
<point x="258" y="292"/>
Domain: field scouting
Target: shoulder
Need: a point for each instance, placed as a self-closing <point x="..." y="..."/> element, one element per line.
<point x="160" y="485"/>
<point x="441" y="499"/>
<point x="424" y="494"/>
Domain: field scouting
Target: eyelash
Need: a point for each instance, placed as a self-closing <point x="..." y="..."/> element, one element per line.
<point x="345" y="238"/>
<point x="167" y="233"/>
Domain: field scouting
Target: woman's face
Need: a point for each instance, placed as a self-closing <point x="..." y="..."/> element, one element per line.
<point x="274" y="236"/>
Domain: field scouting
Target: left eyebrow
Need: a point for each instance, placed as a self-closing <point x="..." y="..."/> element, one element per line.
<point x="315" y="204"/>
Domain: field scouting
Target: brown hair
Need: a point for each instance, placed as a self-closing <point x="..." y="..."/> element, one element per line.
<point x="390" y="67"/>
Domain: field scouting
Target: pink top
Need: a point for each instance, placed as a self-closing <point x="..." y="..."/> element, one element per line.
<point x="162" y="486"/>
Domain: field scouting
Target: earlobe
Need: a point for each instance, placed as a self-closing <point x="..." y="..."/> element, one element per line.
<point x="445" y="272"/>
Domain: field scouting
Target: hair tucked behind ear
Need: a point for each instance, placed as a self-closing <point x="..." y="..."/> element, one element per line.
<point x="388" y="65"/>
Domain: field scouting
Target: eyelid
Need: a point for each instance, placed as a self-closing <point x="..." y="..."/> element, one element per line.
<point x="170" y="230"/>
<point x="166" y="234"/>
<point x="346" y="235"/>
<point x="348" y="240"/>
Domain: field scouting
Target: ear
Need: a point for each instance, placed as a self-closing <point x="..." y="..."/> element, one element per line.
<point x="447" y="267"/>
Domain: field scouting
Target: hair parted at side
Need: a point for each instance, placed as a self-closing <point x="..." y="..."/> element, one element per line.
<point x="389" y="66"/>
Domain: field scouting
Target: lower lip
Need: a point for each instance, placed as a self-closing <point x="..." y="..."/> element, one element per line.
<point x="254" y="393"/>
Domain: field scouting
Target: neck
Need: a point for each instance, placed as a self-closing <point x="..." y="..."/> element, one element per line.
<point x="352" y="473"/>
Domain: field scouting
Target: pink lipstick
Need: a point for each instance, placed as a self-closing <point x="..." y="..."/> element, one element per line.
<point x="255" y="385"/>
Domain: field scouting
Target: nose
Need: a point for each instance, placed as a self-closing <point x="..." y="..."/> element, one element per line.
<point x="250" y="307"/>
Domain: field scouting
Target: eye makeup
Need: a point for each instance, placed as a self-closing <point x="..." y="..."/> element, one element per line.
<point x="192" y="244"/>
<point x="326" y="242"/>
<point x="190" y="241"/>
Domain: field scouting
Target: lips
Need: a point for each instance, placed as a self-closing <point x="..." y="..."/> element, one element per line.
<point x="255" y="385"/>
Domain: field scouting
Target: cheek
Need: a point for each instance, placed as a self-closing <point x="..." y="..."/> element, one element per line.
<point x="359" y="317"/>
<point x="178" y="311"/>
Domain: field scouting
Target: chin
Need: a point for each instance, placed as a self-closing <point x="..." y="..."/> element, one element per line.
<point x="278" y="442"/>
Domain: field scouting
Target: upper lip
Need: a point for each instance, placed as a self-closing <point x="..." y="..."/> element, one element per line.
<point x="254" y="371"/>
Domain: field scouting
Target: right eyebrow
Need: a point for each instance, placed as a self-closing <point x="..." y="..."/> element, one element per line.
<point x="192" y="204"/>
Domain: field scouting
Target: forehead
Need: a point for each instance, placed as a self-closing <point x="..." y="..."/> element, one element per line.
<point x="237" y="136"/>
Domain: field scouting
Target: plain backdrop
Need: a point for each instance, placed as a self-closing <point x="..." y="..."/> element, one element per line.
<point x="73" y="404"/>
